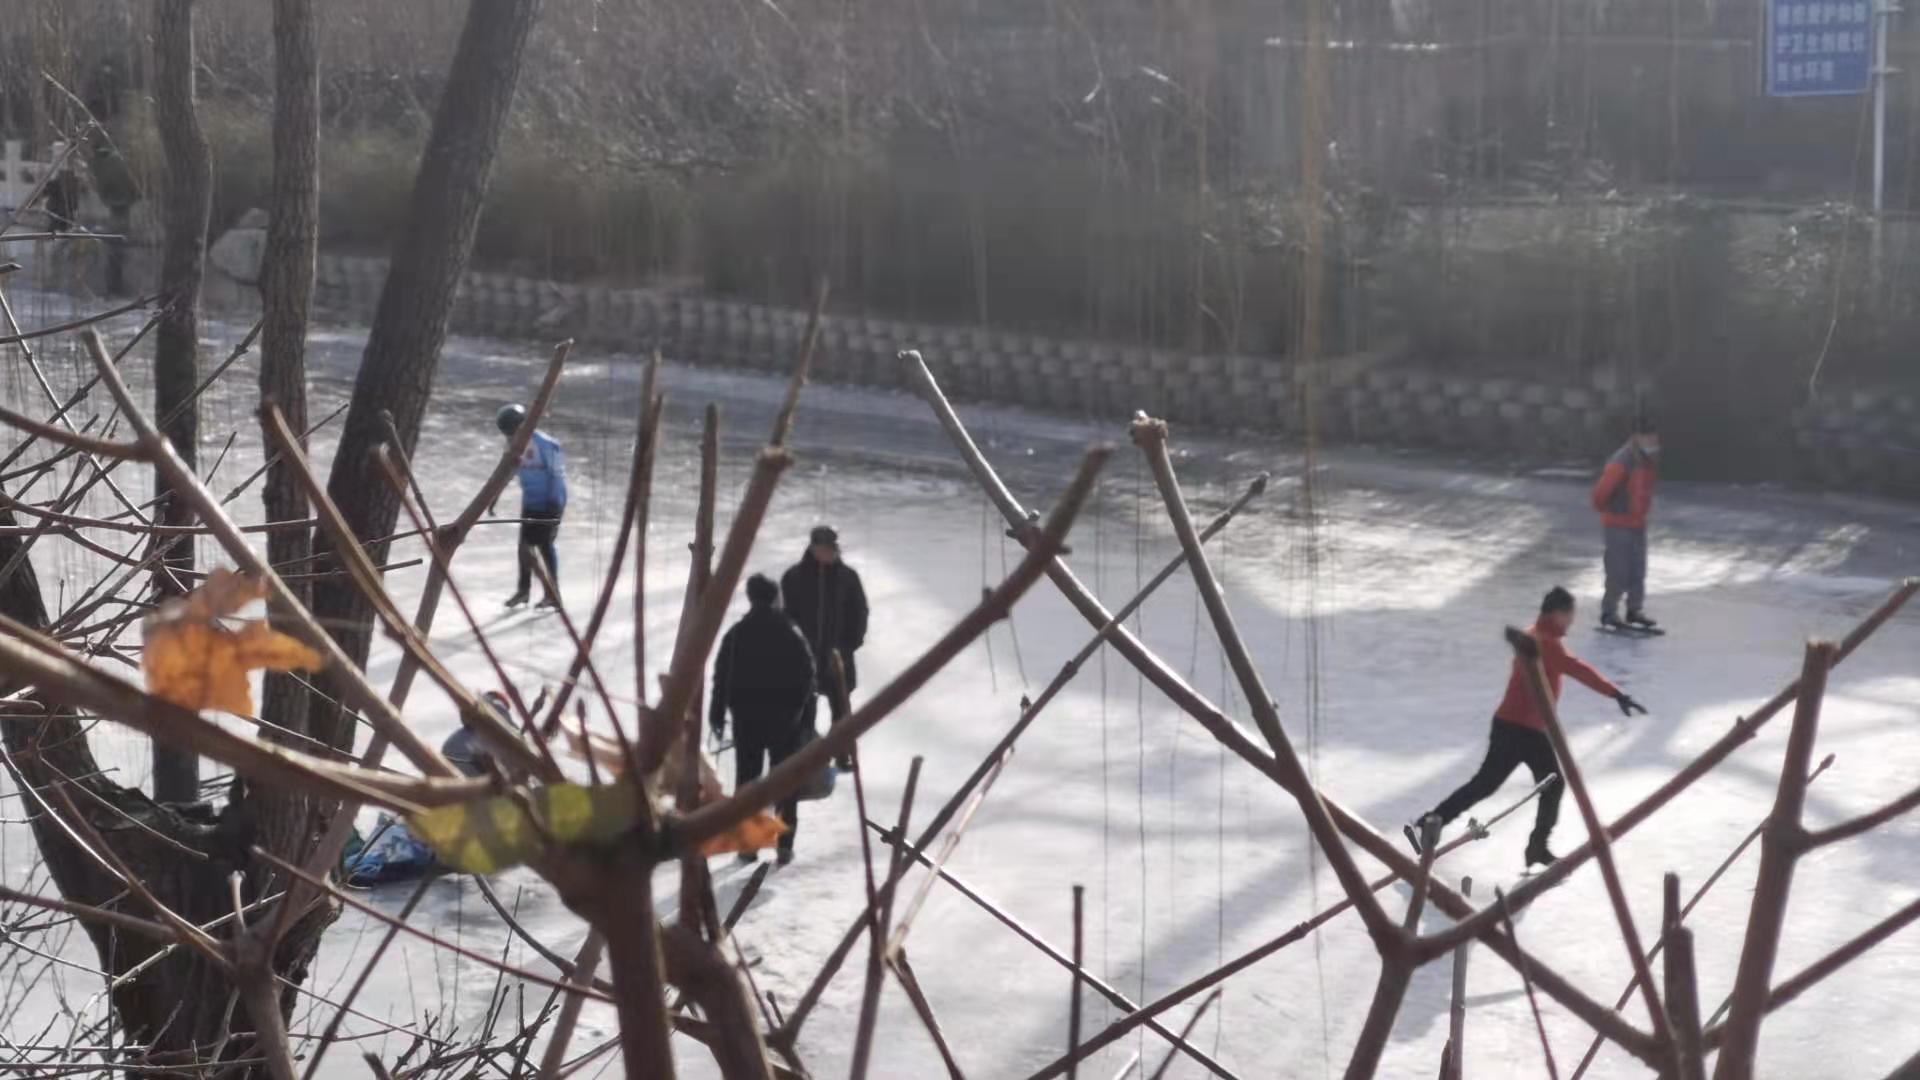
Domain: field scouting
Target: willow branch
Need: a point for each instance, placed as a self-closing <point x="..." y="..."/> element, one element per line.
<point x="1186" y="1030"/>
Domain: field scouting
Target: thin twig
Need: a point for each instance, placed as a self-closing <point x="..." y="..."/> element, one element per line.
<point x="1526" y="980"/>
<point x="459" y="950"/>
<point x="917" y="997"/>
<point x="876" y="956"/>
<point x="332" y="1030"/>
<point x="83" y="443"/>
<point x="81" y="323"/>
<point x="1092" y="981"/>
<point x="584" y="963"/>
<point x="1683" y="996"/>
<point x="639" y="483"/>
<point x="1186" y="1030"/>
<point x="1073" y="994"/>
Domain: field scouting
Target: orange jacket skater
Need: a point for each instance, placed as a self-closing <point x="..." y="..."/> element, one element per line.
<point x="1519" y="733"/>
<point x="1623" y="496"/>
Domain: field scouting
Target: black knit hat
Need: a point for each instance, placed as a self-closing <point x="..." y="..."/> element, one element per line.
<point x="761" y="591"/>
<point x="824" y="536"/>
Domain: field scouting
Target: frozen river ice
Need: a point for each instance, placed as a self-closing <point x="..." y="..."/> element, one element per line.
<point x="1378" y="633"/>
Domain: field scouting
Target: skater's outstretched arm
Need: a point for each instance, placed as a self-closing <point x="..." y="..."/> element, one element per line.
<point x="1561" y="662"/>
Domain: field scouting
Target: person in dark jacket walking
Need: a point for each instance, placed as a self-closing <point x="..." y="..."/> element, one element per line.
<point x="1623" y="497"/>
<point x="1519" y="733"/>
<point x="824" y="598"/>
<point x="764" y="675"/>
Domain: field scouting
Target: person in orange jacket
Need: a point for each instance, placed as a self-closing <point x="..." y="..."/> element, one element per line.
<point x="1519" y="733"/>
<point x="1623" y="496"/>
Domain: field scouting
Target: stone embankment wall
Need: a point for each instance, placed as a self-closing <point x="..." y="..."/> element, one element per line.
<point x="1858" y="440"/>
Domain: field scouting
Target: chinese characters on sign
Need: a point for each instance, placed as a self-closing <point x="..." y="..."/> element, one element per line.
<point x="1818" y="47"/>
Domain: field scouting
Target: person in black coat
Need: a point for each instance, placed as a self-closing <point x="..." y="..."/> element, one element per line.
<point x="824" y="598"/>
<point x="764" y="674"/>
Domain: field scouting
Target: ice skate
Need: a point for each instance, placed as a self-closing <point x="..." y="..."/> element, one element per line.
<point x="1418" y="829"/>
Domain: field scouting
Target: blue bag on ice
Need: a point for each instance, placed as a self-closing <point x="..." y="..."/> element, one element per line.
<point x="393" y="854"/>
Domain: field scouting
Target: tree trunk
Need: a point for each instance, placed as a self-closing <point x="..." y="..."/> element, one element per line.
<point x="286" y="291"/>
<point x="187" y="204"/>
<point x="179" y="1004"/>
<point x="410" y="325"/>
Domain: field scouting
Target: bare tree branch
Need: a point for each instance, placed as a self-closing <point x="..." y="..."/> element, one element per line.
<point x="1780" y="848"/>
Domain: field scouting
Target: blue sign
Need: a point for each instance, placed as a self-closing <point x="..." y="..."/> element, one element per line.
<point x="1819" y="47"/>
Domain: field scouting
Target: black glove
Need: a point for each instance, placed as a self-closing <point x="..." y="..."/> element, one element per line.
<point x="1628" y="706"/>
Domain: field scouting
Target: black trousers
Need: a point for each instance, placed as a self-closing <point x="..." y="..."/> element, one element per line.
<point x="755" y="751"/>
<point x="537" y="533"/>
<point x="1510" y="746"/>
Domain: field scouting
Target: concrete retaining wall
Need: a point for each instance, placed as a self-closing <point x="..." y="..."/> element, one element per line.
<point x="1858" y="441"/>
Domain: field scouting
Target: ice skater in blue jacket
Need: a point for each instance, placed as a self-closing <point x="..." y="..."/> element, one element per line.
<point x="543" y="502"/>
